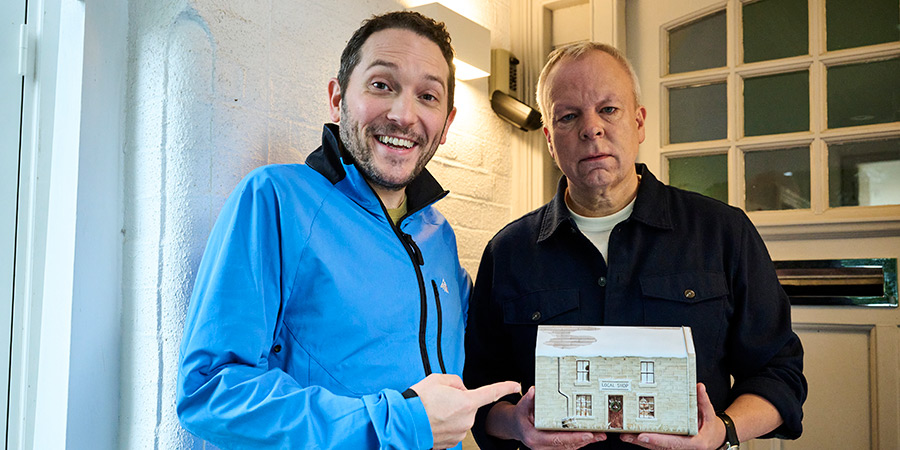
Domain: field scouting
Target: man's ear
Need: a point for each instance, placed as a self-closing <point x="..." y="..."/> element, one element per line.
<point x="549" y="142"/>
<point x="447" y="125"/>
<point x="641" y="117"/>
<point x="334" y="99"/>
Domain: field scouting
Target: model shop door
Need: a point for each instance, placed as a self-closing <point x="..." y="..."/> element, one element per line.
<point x="615" y="412"/>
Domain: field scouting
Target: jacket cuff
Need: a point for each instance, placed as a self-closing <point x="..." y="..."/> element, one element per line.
<point x="782" y="398"/>
<point x="424" y="438"/>
<point x="398" y="421"/>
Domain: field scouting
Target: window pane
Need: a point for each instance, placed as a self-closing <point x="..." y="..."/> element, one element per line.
<point x="583" y="406"/>
<point x="777" y="179"/>
<point x="864" y="173"/>
<point x="582" y="371"/>
<point x="698" y="45"/>
<point x="698" y="113"/>
<point x="707" y="175"/>
<point x="775" y="29"/>
<point x="860" y="94"/>
<point x="776" y="104"/>
<point x="646" y="407"/>
<point x="851" y="23"/>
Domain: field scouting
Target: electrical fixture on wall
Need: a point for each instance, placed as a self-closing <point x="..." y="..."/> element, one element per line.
<point x="475" y="59"/>
<point x="503" y="86"/>
<point x="472" y="42"/>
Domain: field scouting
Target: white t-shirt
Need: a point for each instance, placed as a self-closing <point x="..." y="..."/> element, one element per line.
<point x="598" y="229"/>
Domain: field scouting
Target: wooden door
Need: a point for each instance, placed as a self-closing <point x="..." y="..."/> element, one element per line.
<point x="615" y="412"/>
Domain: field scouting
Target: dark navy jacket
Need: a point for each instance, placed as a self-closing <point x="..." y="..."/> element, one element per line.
<point x="540" y="269"/>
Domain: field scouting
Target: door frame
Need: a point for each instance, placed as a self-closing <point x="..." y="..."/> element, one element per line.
<point x="534" y="173"/>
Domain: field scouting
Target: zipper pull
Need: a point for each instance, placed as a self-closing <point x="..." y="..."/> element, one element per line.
<point x="417" y="254"/>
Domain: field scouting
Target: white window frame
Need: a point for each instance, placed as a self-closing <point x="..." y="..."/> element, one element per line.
<point x="64" y="382"/>
<point x="582" y="371"/>
<point x="648" y="373"/>
<point x="652" y="409"/>
<point x="584" y="402"/>
<point x="820" y="219"/>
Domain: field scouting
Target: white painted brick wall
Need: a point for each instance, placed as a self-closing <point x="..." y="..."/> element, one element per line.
<point x="217" y="88"/>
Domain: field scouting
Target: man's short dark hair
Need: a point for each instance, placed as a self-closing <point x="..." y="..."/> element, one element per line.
<point x="407" y="20"/>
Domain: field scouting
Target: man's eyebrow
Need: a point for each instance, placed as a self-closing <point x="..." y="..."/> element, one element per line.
<point x="391" y="65"/>
<point x="381" y="62"/>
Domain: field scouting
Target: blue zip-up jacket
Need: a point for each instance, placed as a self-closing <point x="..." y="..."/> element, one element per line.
<point x="312" y="313"/>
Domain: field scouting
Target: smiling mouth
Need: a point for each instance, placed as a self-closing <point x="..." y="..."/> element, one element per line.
<point x="395" y="142"/>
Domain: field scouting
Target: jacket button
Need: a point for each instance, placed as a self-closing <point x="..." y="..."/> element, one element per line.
<point x="536" y="316"/>
<point x="689" y="293"/>
<point x="601" y="281"/>
<point x="276" y="348"/>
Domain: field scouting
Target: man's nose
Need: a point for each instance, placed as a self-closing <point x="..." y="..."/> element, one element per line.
<point x="403" y="110"/>
<point x="593" y="128"/>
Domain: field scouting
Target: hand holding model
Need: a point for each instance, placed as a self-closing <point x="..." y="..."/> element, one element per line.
<point x="509" y="421"/>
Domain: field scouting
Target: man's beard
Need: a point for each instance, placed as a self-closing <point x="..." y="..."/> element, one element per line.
<point x="357" y="145"/>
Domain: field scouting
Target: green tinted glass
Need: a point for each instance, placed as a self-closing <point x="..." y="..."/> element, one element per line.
<point x="776" y="104"/>
<point x="698" y="45"/>
<point x="775" y="29"/>
<point x="698" y="113"/>
<point x="707" y="175"/>
<point x="777" y="179"/>
<point x="864" y="173"/>
<point x="854" y="23"/>
<point x="860" y="94"/>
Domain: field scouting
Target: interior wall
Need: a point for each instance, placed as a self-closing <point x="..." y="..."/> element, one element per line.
<point x="216" y="89"/>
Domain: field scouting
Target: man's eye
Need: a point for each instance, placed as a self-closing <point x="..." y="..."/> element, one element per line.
<point x="429" y="98"/>
<point x="608" y="109"/>
<point x="381" y="86"/>
<point x="567" y="117"/>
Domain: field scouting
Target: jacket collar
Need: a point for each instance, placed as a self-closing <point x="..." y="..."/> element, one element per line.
<point x="335" y="163"/>
<point x="651" y="207"/>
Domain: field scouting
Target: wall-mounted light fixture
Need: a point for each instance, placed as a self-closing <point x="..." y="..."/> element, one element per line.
<point x="504" y="88"/>
<point x="472" y="42"/>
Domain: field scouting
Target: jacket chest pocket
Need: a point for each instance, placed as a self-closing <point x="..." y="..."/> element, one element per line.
<point x="548" y="307"/>
<point x="693" y="299"/>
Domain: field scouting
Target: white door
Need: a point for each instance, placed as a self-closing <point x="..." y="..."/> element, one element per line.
<point x="13" y="14"/>
<point x="852" y="353"/>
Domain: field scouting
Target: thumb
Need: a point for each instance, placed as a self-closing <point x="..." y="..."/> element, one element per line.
<point x="492" y="392"/>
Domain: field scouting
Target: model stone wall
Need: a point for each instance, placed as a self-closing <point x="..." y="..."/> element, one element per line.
<point x="674" y="393"/>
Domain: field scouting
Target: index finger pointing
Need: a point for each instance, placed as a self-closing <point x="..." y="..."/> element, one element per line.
<point x="493" y="392"/>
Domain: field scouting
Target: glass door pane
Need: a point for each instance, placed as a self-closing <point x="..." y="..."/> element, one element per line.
<point x="698" y="45"/>
<point x="698" y="113"/>
<point x="775" y="29"/>
<point x="864" y="173"/>
<point x="861" y="94"/>
<point x="776" y="104"/>
<point x="777" y="179"/>
<point x="707" y="175"/>
<point x="854" y="23"/>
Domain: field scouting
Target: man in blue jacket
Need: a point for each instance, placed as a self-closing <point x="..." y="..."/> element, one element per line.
<point x="329" y="307"/>
<point x="617" y="247"/>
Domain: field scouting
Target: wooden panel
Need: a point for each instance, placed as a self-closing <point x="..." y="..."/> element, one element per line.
<point x="839" y="371"/>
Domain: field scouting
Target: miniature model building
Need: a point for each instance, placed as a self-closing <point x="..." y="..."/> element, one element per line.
<point x="615" y="379"/>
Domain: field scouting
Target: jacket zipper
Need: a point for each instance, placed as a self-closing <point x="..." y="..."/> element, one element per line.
<point x="440" y="322"/>
<point x="416" y="256"/>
